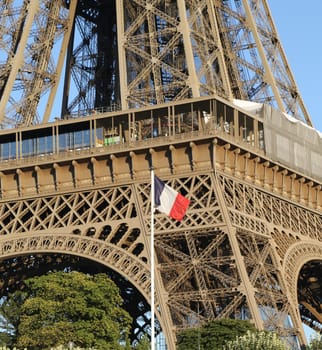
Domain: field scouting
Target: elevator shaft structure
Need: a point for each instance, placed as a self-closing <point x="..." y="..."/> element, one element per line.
<point x="67" y="57"/>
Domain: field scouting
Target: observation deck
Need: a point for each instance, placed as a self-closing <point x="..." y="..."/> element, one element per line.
<point x="254" y="127"/>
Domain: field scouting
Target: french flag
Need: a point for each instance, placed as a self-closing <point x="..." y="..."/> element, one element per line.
<point x="169" y="201"/>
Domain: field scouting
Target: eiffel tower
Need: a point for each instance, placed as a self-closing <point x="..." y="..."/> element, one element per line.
<point x="94" y="94"/>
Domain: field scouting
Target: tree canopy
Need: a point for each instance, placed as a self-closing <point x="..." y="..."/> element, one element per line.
<point x="213" y="335"/>
<point x="60" y="307"/>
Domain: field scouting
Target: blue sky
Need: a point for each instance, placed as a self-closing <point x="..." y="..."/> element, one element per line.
<point x="299" y="25"/>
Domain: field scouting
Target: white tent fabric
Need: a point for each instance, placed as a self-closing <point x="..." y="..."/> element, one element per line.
<point x="249" y="106"/>
<point x="288" y="141"/>
<point x="292" y="143"/>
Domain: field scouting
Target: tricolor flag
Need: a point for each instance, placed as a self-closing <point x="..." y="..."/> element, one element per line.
<point x="169" y="201"/>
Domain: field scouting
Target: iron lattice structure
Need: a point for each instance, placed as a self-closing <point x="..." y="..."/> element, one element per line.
<point x="250" y="244"/>
<point x="130" y="53"/>
<point x="238" y="253"/>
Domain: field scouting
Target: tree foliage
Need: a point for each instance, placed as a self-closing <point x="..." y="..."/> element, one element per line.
<point x="213" y="335"/>
<point x="10" y="316"/>
<point x="61" y="307"/>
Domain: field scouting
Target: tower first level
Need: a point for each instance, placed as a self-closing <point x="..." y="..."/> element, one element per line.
<point x="249" y="246"/>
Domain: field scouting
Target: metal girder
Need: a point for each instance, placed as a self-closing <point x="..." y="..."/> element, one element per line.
<point x="132" y="53"/>
<point x="250" y="229"/>
<point x="31" y="35"/>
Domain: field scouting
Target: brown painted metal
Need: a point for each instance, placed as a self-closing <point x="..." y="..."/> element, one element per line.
<point x="134" y="53"/>
<point x="253" y="229"/>
<point x="251" y="226"/>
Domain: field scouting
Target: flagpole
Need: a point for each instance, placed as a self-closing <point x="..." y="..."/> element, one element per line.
<point x="152" y="261"/>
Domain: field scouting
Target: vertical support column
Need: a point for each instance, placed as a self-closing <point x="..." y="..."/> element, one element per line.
<point x="269" y="76"/>
<point x="221" y="58"/>
<point x="184" y="28"/>
<point x="61" y="59"/>
<point x="18" y="60"/>
<point x="121" y="52"/>
<point x="248" y="288"/>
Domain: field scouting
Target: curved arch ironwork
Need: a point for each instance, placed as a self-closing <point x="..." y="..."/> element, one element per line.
<point x="117" y="259"/>
<point x="298" y="255"/>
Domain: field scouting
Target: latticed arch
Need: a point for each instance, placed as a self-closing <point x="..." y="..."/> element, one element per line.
<point x="225" y="259"/>
<point x="135" y="272"/>
<point x="297" y="256"/>
<point x="117" y="259"/>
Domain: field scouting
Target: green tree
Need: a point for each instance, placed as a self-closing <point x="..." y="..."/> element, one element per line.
<point x="213" y="335"/>
<point x="61" y="307"/>
<point x="10" y="316"/>
<point x="256" y="340"/>
<point x="4" y="339"/>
